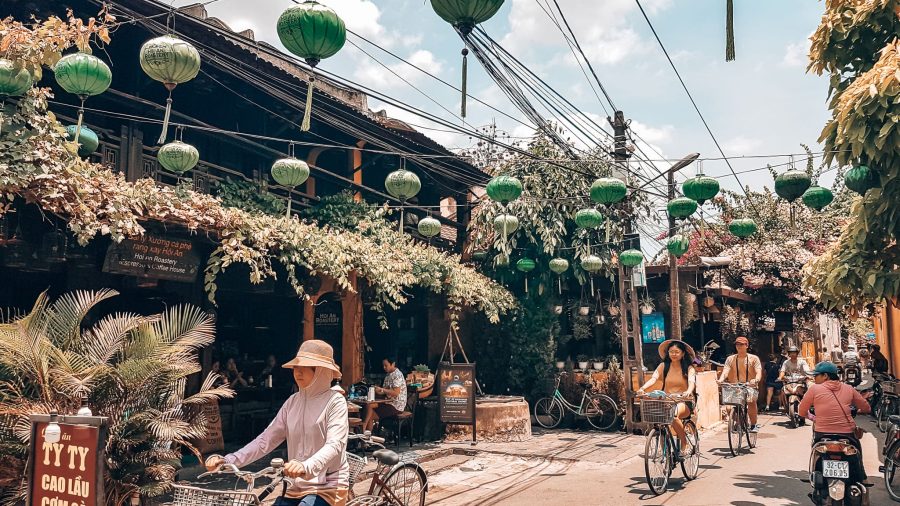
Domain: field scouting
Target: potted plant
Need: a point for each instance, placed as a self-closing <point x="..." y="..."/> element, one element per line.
<point x="560" y="364"/>
<point x="612" y="308"/>
<point x="582" y="361"/>
<point x="598" y="364"/>
<point x="647" y="306"/>
<point x="584" y="309"/>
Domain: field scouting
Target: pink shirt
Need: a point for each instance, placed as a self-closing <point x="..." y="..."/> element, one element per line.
<point x="833" y="415"/>
<point x="316" y="428"/>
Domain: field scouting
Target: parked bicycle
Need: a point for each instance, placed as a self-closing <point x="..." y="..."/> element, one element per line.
<point x="889" y="404"/>
<point x="735" y="396"/>
<point x="891" y="467"/>
<point x="396" y="481"/>
<point x="661" y="453"/>
<point x="601" y="410"/>
<point x="192" y="495"/>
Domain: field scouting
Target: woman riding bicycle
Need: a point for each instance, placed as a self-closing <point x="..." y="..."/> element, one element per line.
<point x="678" y="378"/>
<point x="314" y="422"/>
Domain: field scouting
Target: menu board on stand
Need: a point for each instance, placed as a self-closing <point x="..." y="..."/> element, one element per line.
<point x="69" y="471"/>
<point x="456" y="394"/>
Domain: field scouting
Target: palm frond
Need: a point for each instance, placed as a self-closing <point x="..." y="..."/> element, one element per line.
<point x="68" y="311"/>
<point x="106" y="339"/>
<point x="186" y="328"/>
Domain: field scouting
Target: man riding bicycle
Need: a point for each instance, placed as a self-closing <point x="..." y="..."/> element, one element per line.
<point x="744" y="367"/>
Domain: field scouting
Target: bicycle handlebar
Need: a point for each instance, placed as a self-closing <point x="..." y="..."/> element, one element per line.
<point x="368" y="438"/>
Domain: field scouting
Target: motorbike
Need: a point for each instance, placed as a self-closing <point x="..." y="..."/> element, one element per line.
<point x="852" y="375"/>
<point x="794" y="389"/>
<point x="831" y="464"/>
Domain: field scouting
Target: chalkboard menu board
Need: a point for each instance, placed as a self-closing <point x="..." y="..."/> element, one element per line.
<point x="71" y="470"/>
<point x="155" y="257"/>
<point x="456" y="394"/>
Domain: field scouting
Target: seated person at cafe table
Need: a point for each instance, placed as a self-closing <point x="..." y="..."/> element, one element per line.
<point x="394" y="388"/>
<point x="234" y="377"/>
<point x="314" y="423"/>
<point x="269" y="370"/>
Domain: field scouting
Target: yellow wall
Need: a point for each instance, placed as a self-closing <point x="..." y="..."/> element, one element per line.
<point x="887" y="333"/>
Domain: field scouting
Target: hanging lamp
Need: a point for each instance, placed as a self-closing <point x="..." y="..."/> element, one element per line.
<point x="429" y="227"/>
<point x="608" y="191"/>
<point x="403" y="185"/>
<point x="290" y="172"/>
<point x="504" y="189"/>
<point x="14" y="82"/>
<point x="88" y="142"/>
<point x="791" y="185"/>
<point x="742" y="227"/>
<point x="313" y="32"/>
<point x="464" y="15"/>
<point x="559" y="266"/>
<point x="178" y="157"/>
<point x="171" y="61"/>
<point x="83" y="75"/>
<point x="678" y="245"/>
<point x="631" y="258"/>
<point x="525" y="265"/>
<point x="592" y="264"/>
<point x="701" y="188"/>
<point x="817" y="197"/>
<point x="861" y="179"/>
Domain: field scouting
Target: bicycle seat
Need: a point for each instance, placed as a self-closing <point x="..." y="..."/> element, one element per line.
<point x="894" y="419"/>
<point x="386" y="457"/>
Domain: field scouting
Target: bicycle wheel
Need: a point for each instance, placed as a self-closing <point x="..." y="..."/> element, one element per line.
<point x="734" y="430"/>
<point x="891" y="480"/>
<point x="887" y="409"/>
<point x="656" y="461"/>
<point x="601" y="412"/>
<point x="404" y="486"/>
<point x="548" y="413"/>
<point x="690" y="464"/>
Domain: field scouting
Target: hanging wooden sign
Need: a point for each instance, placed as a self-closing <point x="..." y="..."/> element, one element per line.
<point x="69" y="471"/>
<point x="153" y="256"/>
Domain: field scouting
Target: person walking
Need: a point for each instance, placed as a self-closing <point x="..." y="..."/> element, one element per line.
<point x="744" y="367"/>
<point x="314" y="423"/>
<point x="773" y="381"/>
<point x="879" y="361"/>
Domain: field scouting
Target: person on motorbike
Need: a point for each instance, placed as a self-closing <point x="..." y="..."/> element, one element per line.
<point x="743" y="367"/>
<point x="879" y="361"/>
<point x="833" y="401"/>
<point x="314" y="422"/>
<point x="795" y="365"/>
<point x="678" y="378"/>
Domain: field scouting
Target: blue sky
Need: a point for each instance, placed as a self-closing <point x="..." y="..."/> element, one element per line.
<point x="762" y="103"/>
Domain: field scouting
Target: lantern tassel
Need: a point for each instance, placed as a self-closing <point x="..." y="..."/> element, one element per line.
<point x="307" y="113"/>
<point x="729" y="30"/>
<point x="78" y="125"/>
<point x="592" y="287"/>
<point x="526" y="283"/>
<point x="289" y="206"/>
<point x="607" y="231"/>
<point x="793" y="224"/>
<point x="165" y="126"/>
<point x="559" y="283"/>
<point x="465" y="67"/>
<point x="401" y="219"/>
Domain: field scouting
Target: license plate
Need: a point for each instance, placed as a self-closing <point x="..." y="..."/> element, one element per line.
<point x="836" y="469"/>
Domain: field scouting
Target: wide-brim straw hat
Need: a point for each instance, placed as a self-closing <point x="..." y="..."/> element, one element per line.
<point x="664" y="348"/>
<point x="315" y="353"/>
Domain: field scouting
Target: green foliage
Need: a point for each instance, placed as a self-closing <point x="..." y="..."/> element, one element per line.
<point x="340" y="211"/>
<point x="248" y="196"/>
<point x="516" y="356"/>
<point x="130" y="368"/>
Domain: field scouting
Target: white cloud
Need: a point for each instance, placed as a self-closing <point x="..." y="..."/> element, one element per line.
<point x="652" y="139"/>
<point x="796" y="54"/>
<point x="380" y="78"/>
<point x="741" y="145"/>
<point x="361" y="16"/>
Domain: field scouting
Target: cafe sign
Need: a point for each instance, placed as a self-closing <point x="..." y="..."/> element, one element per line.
<point x="68" y="472"/>
<point x="456" y="394"/>
<point x="151" y="256"/>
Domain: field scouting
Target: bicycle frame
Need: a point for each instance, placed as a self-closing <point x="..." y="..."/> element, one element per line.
<point x="557" y="395"/>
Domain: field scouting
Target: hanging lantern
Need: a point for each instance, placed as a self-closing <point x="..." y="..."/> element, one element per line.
<point x="504" y="189"/>
<point x="861" y="179"/>
<point x="678" y="245"/>
<point x="290" y="172"/>
<point x="631" y="258"/>
<point x="588" y="218"/>
<point x="402" y="184"/>
<point x="464" y="15"/>
<point x="742" y="227"/>
<point x="88" y="142"/>
<point x="83" y="75"/>
<point x="608" y="190"/>
<point x="700" y="188"/>
<point x="681" y="207"/>
<point x="506" y="224"/>
<point x="171" y="61"/>
<point x="592" y="263"/>
<point x="525" y="265"/>
<point x="791" y="185"/>
<point x="429" y="227"/>
<point x="559" y="265"/>
<point x="817" y="197"/>
<point x="14" y="79"/>
<point x="313" y="32"/>
<point x="178" y="157"/>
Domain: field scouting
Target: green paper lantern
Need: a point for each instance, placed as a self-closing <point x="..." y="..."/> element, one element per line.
<point x="559" y="265"/>
<point x="88" y="142"/>
<point x="504" y="189"/>
<point x="591" y="263"/>
<point x="506" y="224"/>
<point x="700" y="188"/>
<point x="525" y="265"/>
<point x="791" y="185"/>
<point x="608" y="190"/>
<point x="465" y="14"/>
<point x="290" y="172"/>
<point x="14" y="80"/>
<point x="170" y="61"/>
<point x="429" y="227"/>
<point x="313" y="32"/>
<point x="681" y="207"/>
<point x="742" y="227"/>
<point x="402" y="184"/>
<point x="817" y="197"/>
<point x="678" y="245"/>
<point x="82" y="74"/>
<point x="631" y="257"/>
<point x="861" y="179"/>
<point x="178" y="157"/>
<point x="588" y="218"/>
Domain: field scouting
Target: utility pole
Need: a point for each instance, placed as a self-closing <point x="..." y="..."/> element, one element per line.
<point x="674" y="295"/>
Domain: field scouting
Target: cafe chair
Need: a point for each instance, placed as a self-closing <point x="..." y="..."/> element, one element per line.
<point x="407" y="417"/>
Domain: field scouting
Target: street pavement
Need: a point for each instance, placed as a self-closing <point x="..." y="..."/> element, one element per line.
<point x="599" y="468"/>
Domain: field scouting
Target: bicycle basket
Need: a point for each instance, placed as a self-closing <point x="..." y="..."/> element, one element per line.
<point x="734" y="395"/>
<point x="186" y="495"/>
<point x="357" y="464"/>
<point x="890" y="387"/>
<point x="660" y="411"/>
